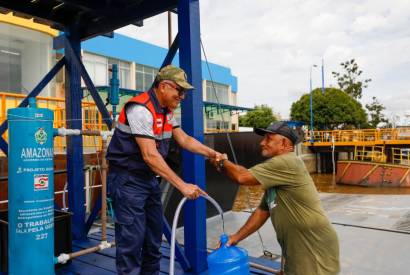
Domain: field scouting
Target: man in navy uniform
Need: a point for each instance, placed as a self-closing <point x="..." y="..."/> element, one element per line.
<point x="136" y="155"/>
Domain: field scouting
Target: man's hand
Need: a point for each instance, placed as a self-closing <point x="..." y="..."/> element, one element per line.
<point x="192" y="191"/>
<point x="233" y="240"/>
<point x="212" y="154"/>
<point x="217" y="159"/>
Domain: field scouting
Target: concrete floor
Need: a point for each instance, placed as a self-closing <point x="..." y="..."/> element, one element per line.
<point x="363" y="251"/>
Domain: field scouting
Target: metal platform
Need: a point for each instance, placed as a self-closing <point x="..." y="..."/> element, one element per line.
<point x="103" y="263"/>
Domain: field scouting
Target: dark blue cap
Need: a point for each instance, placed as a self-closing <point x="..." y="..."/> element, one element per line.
<point x="280" y="128"/>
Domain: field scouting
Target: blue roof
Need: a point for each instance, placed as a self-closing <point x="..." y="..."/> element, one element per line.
<point x="133" y="50"/>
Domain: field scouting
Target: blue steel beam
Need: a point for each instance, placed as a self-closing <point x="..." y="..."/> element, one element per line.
<point x="35" y="92"/>
<point x="171" y="52"/>
<point x="192" y="123"/>
<point x="179" y="254"/>
<point x="75" y="162"/>
<point x="75" y="59"/>
<point x="93" y="215"/>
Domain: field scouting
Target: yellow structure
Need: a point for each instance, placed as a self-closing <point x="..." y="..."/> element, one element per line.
<point x="9" y="18"/>
<point x="92" y="119"/>
<point x="372" y="153"/>
<point x="363" y="137"/>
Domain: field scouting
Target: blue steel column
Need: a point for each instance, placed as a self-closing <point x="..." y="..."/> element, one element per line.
<point x="192" y="123"/>
<point x="75" y="175"/>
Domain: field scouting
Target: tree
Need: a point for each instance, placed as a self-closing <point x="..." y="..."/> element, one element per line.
<point x="348" y="81"/>
<point x="331" y="110"/>
<point x="375" y="109"/>
<point x="260" y="117"/>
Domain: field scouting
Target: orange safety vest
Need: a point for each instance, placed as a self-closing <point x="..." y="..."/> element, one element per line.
<point x="123" y="151"/>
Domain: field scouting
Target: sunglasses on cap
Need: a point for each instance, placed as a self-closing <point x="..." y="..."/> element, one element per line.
<point x="181" y="91"/>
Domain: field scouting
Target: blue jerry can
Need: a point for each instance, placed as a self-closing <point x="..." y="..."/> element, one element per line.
<point x="228" y="260"/>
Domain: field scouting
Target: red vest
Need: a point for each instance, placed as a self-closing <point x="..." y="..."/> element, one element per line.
<point x="124" y="151"/>
<point x="161" y="126"/>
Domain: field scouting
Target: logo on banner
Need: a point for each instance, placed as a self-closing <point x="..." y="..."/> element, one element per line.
<point x="40" y="136"/>
<point x="40" y="182"/>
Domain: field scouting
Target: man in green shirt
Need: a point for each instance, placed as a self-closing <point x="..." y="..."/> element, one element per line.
<point x="309" y="243"/>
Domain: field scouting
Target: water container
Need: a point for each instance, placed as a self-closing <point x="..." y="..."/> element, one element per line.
<point x="228" y="260"/>
<point x="31" y="191"/>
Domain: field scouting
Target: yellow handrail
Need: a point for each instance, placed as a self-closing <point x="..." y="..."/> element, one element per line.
<point x="400" y="156"/>
<point x="370" y="153"/>
<point x="91" y="118"/>
<point x="363" y="137"/>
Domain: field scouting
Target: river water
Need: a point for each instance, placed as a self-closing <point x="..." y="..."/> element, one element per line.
<point x="248" y="197"/>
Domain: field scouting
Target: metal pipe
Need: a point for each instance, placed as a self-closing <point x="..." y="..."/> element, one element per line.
<point x="63" y="258"/>
<point x="373" y="228"/>
<point x="169" y="29"/>
<point x="97" y="248"/>
<point x="104" y="192"/>
<point x="174" y="228"/>
<point x="265" y="268"/>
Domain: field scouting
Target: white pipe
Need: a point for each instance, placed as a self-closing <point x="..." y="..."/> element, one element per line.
<point x="64" y="257"/>
<point x="76" y="132"/>
<point x="87" y="193"/>
<point x="64" y="191"/>
<point x="174" y="227"/>
<point x="68" y="132"/>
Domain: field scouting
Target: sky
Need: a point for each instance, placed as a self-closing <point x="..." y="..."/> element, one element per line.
<point x="270" y="45"/>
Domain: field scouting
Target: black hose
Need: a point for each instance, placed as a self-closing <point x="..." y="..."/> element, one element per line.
<point x="373" y="228"/>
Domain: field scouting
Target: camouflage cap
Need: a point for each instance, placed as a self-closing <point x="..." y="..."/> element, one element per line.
<point x="174" y="74"/>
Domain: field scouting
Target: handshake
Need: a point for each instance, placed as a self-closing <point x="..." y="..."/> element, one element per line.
<point x="217" y="160"/>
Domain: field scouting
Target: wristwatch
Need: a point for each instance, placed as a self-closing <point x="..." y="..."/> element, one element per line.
<point x="221" y="164"/>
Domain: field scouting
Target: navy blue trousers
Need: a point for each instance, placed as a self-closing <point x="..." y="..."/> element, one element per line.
<point x="138" y="222"/>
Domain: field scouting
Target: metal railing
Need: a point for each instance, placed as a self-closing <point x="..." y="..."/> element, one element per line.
<point x="370" y="153"/>
<point x="400" y="156"/>
<point x="91" y="118"/>
<point x="360" y="137"/>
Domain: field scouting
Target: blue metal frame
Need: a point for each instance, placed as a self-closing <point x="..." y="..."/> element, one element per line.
<point x="93" y="215"/>
<point x="35" y="92"/>
<point x="171" y="52"/>
<point x="192" y="123"/>
<point x="192" y="114"/>
<point x="75" y="59"/>
<point x="75" y="161"/>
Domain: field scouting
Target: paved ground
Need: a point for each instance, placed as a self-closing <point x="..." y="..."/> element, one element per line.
<point x="363" y="251"/>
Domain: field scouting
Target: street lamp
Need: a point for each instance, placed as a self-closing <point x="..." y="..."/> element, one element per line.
<point x="323" y="77"/>
<point x="311" y="107"/>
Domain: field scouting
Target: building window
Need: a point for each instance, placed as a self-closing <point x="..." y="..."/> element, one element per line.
<point x="25" y="57"/>
<point x="222" y="93"/>
<point x="144" y="77"/>
<point x="97" y="69"/>
<point x="124" y="72"/>
<point x="212" y="124"/>
<point x="10" y="70"/>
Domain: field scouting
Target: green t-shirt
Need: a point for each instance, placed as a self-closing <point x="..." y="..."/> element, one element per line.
<point x="308" y="241"/>
<point x="268" y="201"/>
